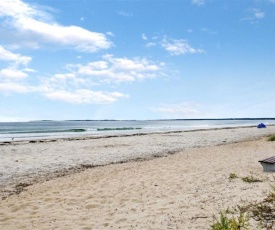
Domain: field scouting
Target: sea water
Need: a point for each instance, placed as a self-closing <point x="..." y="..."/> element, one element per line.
<point x="14" y="131"/>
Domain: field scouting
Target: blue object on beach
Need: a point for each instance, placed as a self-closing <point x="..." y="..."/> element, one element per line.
<point x="262" y="125"/>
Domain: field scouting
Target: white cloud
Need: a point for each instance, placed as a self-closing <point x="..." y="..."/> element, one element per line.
<point x="59" y="90"/>
<point x="16" y="9"/>
<point x="7" y="55"/>
<point x="112" y="69"/>
<point x="258" y="14"/>
<point x="27" y="19"/>
<point x="76" y="86"/>
<point x="254" y="15"/>
<point x="64" y="81"/>
<point x="15" y="60"/>
<point x="182" y="110"/>
<point x="138" y="64"/>
<point x="110" y="34"/>
<point x="206" y="30"/>
<point x="179" y="47"/>
<point x="12" y="74"/>
<point x="64" y="76"/>
<point x="85" y="96"/>
<point x="7" y="87"/>
<point x="198" y="2"/>
<point x="150" y="44"/>
<point x="125" y="14"/>
<point x="143" y="36"/>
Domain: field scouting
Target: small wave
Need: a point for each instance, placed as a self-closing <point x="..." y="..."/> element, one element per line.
<point x="77" y="130"/>
<point x="117" y="129"/>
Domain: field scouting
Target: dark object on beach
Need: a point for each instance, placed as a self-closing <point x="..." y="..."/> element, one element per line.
<point x="262" y="125"/>
<point x="268" y="164"/>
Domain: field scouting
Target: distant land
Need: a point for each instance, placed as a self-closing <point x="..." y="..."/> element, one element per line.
<point x="188" y="119"/>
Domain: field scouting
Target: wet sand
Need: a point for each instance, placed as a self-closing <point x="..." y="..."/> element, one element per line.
<point x="174" y="180"/>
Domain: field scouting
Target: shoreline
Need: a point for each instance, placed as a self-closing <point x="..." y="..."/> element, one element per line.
<point x="27" y="163"/>
<point x="99" y="136"/>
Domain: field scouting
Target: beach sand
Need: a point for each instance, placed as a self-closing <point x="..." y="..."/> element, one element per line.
<point x="182" y="189"/>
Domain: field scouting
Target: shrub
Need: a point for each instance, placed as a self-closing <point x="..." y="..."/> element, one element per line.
<point x="230" y="223"/>
<point x="271" y="138"/>
<point x="233" y="176"/>
<point x="262" y="212"/>
<point x="251" y="179"/>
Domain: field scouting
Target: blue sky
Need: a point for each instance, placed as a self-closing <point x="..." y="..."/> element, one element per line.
<point x="136" y="59"/>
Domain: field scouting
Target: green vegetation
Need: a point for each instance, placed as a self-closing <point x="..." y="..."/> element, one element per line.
<point x="240" y="217"/>
<point x="264" y="212"/>
<point x="271" y="138"/>
<point x="251" y="179"/>
<point x="233" y="176"/>
<point x="247" y="179"/>
<point x="224" y="222"/>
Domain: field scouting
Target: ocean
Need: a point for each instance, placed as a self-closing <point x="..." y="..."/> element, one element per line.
<point x="15" y="131"/>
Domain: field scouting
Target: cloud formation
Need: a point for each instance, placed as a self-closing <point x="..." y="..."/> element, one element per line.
<point x="12" y="74"/>
<point x="83" y="96"/>
<point x="125" y="14"/>
<point x="179" y="47"/>
<point x="38" y="27"/>
<point x="258" y="13"/>
<point x="254" y="15"/>
<point x="144" y="37"/>
<point x="112" y="69"/>
<point x="198" y="2"/>
<point x="14" y="69"/>
<point x="6" y="55"/>
<point x="14" y="87"/>
<point x="76" y="85"/>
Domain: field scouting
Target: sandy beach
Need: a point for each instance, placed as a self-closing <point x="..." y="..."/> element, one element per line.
<point x="173" y="180"/>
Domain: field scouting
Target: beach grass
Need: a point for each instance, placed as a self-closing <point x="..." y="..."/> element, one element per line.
<point x="271" y="138"/>
<point x="251" y="179"/>
<point x="263" y="212"/>
<point x="226" y="222"/>
<point x="233" y="176"/>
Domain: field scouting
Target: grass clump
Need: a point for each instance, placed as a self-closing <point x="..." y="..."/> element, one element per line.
<point x="251" y="179"/>
<point x="224" y="222"/>
<point x="233" y="176"/>
<point x="271" y="138"/>
<point x="242" y="216"/>
<point x="264" y="212"/>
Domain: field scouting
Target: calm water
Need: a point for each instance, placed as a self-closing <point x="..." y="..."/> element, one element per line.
<point x="58" y="129"/>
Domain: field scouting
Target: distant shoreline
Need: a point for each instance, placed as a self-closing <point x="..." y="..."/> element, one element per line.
<point x="102" y="136"/>
<point x="185" y="119"/>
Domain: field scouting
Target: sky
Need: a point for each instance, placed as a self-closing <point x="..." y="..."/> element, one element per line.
<point x="136" y="59"/>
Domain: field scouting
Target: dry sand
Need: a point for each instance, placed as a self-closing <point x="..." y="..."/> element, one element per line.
<point x="180" y="190"/>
